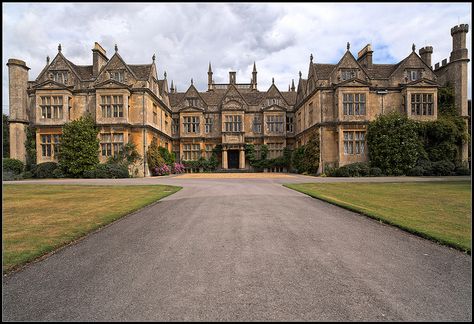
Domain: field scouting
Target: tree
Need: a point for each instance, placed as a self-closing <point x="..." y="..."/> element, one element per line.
<point x="305" y="159"/>
<point x="30" y="147"/>
<point x="153" y="156"/>
<point x="394" y="143"/>
<point x="6" y="136"/>
<point x="79" y="147"/>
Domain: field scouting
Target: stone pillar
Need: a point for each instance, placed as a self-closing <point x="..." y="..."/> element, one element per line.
<point x="224" y="159"/>
<point x="242" y="159"/>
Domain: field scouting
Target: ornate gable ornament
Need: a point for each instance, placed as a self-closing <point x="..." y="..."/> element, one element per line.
<point x="233" y="103"/>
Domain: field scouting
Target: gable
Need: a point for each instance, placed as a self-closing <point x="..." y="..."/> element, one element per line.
<point x="116" y="63"/>
<point x="274" y="107"/>
<point x="233" y="100"/>
<point x="353" y="83"/>
<point x="111" y="84"/>
<point x="347" y="62"/>
<point x="59" y="63"/>
<point x="412" y="61"/>
<point x="273" y="96"/>
<point x="52" y="85"/>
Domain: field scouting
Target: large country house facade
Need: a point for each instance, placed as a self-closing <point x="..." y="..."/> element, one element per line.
<point x="130" y="103"/>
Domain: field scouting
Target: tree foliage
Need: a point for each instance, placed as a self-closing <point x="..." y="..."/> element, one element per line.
<point x="153" y="156"/>
<point x="6" y="137"/>
<point x="30" y="147"/>
<point x="305" y="159"/>
<point x="79" y="147"/>
<point x="394" y="143"/>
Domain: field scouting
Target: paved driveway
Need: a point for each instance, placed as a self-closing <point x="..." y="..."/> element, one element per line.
<point x="245" y="250"/>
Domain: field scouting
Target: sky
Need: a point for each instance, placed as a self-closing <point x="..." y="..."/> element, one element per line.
<point x="185" y="37"/>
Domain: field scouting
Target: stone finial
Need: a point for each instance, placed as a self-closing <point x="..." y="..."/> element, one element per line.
<point x="300" y="74"/>
<point x="47" y="60"/>
<point x="210" y="68"/>
<point x="311" y="58"/>
<point x="116" y="48"/>
<point x="164" y="74"/>
<point x="153" y="57"/>
<point x="192" y="81"/>
<point x="348" y="46"/>
<point x="59" y="47"/>
<point x="292" y="85"/>
<point x="288" y="87"/>
<point x="254" y="67"/>
<point x="273" y="80"/>
<point x="413" y="47"/>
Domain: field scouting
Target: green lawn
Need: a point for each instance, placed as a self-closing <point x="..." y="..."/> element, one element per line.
<point x="440" y="211"/>
<point x="38" y="219"/>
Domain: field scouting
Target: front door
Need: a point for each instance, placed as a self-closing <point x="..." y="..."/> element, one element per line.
<point x="233" y="159"/>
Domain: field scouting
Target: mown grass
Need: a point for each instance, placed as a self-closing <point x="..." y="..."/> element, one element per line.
<point x="440" y="211"/>
<point x="38" y="219"/>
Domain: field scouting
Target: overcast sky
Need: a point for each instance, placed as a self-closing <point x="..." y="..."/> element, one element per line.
<point x="279" y="37"/>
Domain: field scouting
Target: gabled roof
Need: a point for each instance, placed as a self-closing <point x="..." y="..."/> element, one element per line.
<point x="141" y="71"/>
<point x="323" y="71"/>
<point x="83" y="71"/>
<point x="381" y="71"/>
<point x="290" y="97"/>
<point x="176" y="98"/>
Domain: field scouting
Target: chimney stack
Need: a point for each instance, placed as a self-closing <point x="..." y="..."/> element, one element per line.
<point x="365" y="56"/>
<point x="98" y="59"/>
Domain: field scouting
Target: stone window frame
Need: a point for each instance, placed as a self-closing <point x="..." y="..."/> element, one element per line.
<point x="60" y="76"/>
<point x="289" y="124"/>
<point x="257" y="125"/>
<point x="233" y="124"/>
<point x="175" y="125"/>
<point x="354" y="104"/>
<point x="208" y="122"/>
<point x="422" y="104"/>
<point x="348" y="73"/>
<point x="191" y="124"/>
<point x="111" y="106"/>
<point x="191" y="152"/>
<point x="275" y="149"/>
<point x="52" y="107"/>
<point x="414" y="74"/>
<point x="117" y="75"/>
<point x="354" y="142"/>
<point x="208" y="150"/>
<point x="50" y="145"/>
<point x="155" y="114"/>
<point x="274" y="124"/>
<point x="111" y="143"/>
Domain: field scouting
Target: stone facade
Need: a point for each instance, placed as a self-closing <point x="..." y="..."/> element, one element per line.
<point x="130" y="104"/>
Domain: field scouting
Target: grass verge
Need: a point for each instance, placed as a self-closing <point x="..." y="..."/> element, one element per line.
<point x="440" y="211"/>
<point x="38" y="219"/>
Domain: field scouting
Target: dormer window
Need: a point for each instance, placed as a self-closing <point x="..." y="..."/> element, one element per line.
<point x="414" y="75"/>
<point x="117" y="75"/>
<point x="348" y="74"/>
<point x="60" y="76"/>
<point x="192" y="102"/>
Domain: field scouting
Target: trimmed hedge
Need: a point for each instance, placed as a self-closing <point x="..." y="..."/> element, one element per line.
<point x="13" y="165"/>
<point x="107" y="171"/>
<point x="359" y="169"/>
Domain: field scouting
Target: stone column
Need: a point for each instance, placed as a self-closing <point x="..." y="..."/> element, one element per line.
<point x="224" y="158"/>
<point x="242" y="159"/>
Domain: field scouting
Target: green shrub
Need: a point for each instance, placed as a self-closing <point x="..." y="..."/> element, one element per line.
<point x="153" y="156"/>
<point x="394" y="143"/>
<point x="13" y="165"/>
<point x="443" y="168"/>
<point x="58" y="173"/>
<point x="375" y="172"/>
<point x="79" y="146"/>
<point x="426" y="166"/>
<point x="462" y="171"/>
<point x="10" y="176"/>
<point x="27" y="175"/>
<point x="416" y="171"/>
<point x="107" y="171"/>
<point x="306" y="157"/>
<point x="45" y="170"/>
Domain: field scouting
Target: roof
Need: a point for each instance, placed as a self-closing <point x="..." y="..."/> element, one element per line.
<point x="175" y="98"/>
<point x="83" y="71"/>
<point x="381" y="71"/>
<point x="142" y="71"/>
<point x="290" y="97"/>
<point x="323" y="71"/>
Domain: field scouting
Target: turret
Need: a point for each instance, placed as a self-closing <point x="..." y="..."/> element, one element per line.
<point x="232" y="77"/>
<point x="18" y="106"/>
<point x="425" y="54"/>
<point x="459" y="42"/>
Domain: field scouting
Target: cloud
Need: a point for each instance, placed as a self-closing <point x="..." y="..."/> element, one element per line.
<point x="186" y="36"/>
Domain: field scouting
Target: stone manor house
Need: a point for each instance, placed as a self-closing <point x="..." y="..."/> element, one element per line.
<point x="130" y="103"/>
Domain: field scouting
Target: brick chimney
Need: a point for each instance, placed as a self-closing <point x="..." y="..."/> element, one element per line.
<point x="365" y="56"/>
